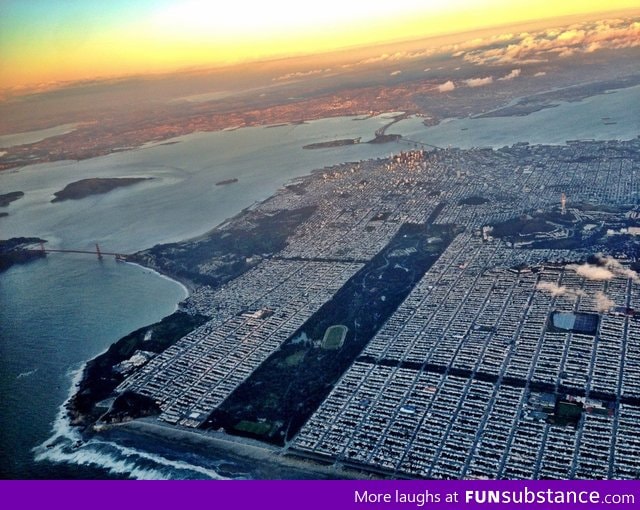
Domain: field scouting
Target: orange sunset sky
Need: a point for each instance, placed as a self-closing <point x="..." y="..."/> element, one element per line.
<point x="49" y="41"/>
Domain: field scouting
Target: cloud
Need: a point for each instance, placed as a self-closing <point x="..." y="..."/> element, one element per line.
<point x="552" y="288"/>
<point x="300" y="74"/>
<point x="591" y="272"/>
<point x="540" y="73"/>
<point x="375" y="60"/>
<point x="618" y="269"/>
<point x="629" y="273"/>
<point x="566" y="52"/>
<point x="459" y="49"/>
<point x="513" y="74"/>
<point x="572" y="36"/>
<point x="607" y="269"/>
<point x="394" y="57"/>
<point x="479" y="82"/>
<point x="395" y="73"/>
<point x="527" y="47"/>
<point x="609" y="261"/>
<point x="603" y="303"/>
<point x="447" y="86"/>
<point x="542" y="45"/>
<point x="556" y="290"/>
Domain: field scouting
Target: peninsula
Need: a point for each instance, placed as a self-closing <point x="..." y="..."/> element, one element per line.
<point x="460" y="297"/>
<point x="18" y="250"/>
<point x="7" y="198"/>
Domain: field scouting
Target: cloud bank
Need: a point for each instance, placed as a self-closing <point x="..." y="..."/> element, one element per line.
<point x="617" y="268"/>
<point x="607" y="269"/>
<point x="591" y="272"/>
<point x="543" y="45"/>
<point x="300" y="74"/>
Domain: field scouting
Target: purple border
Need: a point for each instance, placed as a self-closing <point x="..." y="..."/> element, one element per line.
<point x="312" y="495"/>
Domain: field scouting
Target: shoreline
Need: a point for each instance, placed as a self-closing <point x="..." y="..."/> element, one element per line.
<point x="239" y="457"/>
<point x="234" y="457"/>
<point x="187" y="286"/>
<point x="226" y="446"/>
<point x="76" y="426"/>
<point x="63" y="424"/>
<point x="170" y="139"/>
<point x="71" y="430"/>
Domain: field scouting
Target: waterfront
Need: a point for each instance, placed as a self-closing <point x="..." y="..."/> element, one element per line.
<point x="56" y="314"/>
<point x="182" y="200"/>
<point x="67" y="312"/>
<point x="614" y="115"/>
<point x="34" y="136"/>
<point x="67" y="309"/>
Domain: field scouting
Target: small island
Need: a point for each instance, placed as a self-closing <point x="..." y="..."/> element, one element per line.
<point x="332" y="143"/>
<point x="94" y="186"/>
<point x="7" y="198"/>
<point x="226" y="181"/>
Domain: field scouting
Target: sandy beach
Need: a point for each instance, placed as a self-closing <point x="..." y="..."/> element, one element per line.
<point x="240" y="457"/>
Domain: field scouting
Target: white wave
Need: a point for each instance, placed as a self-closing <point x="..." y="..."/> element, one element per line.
<point x="84" y="456"/>
<point x="26" y="374"/>
<point x="62" y="428"/>
<point x="160" y="460"/>
<point x="66" y="445"/>
<point x="121" y="460"/>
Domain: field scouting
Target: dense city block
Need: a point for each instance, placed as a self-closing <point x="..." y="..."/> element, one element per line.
<point x="509" y="346"/>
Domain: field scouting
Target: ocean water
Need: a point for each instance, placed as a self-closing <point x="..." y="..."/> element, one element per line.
<point x="57" y="313"/>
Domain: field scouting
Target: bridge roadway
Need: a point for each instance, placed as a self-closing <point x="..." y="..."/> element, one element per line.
<point x="416" y="143"/>
<point x="98" y="253"/>
<point x="93" y="252"/>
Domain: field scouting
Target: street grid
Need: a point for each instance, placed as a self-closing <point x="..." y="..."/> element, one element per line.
<point x="462" y="379"/>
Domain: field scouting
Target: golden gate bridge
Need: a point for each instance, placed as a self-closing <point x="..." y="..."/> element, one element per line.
<point x="97" y="252"/>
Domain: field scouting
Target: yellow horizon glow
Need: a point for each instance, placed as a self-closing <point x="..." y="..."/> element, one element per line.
<point x="174" y="35"/>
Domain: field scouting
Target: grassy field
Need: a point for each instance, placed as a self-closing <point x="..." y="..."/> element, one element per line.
<point x="334" y="337"/>
<point x="254" y="427"/>
<point x="295" y="359"/>
<point x="290" y="385"/>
